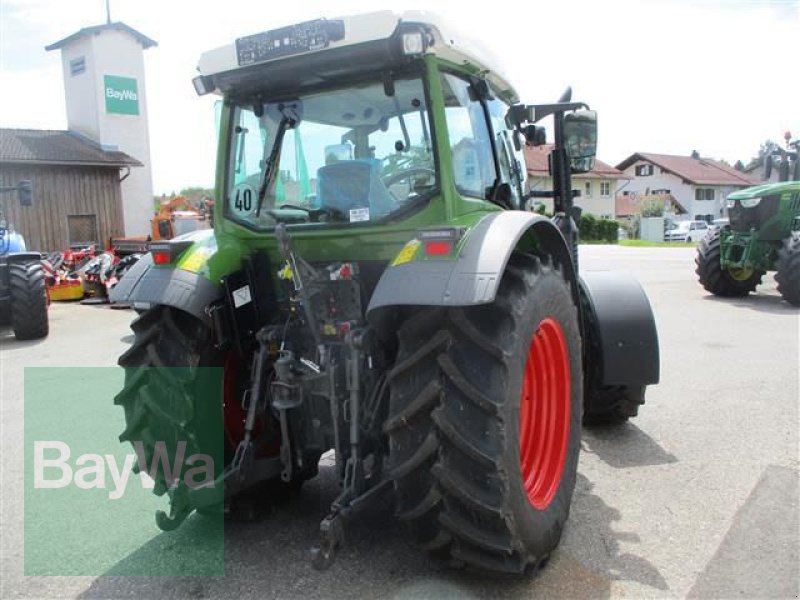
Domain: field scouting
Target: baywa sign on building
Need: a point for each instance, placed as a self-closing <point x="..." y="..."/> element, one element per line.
<point x="122" y="95"/>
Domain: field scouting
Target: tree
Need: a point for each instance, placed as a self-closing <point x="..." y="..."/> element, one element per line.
<point x="651" y="207"/>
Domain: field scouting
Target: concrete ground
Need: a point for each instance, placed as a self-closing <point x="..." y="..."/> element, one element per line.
<point x="697" y="497"/>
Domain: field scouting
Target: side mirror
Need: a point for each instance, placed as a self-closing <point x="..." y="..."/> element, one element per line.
<point x="580" y="139"/>
<point x="25" y="192"/>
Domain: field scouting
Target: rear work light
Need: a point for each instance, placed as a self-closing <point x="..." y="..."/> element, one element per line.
<point x="161" y="257"/>
<point x="438" y="248"/>
<point x="439" y="242"/>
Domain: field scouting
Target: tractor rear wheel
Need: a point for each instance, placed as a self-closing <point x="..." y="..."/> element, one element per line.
<point x="485" y="422"/>
<point x="172" y="395"/>
<point x="788" y="269"/>
<point x="28" y="300"/>
<point x="166" y="395"/>
<point x="719" y="281"/>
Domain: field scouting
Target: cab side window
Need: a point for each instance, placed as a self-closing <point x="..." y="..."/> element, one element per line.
<point x="511" y="161"/>
<point x="470" y="138"/>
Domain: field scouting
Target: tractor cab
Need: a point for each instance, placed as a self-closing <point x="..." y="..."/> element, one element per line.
<point x="370" y="120"/>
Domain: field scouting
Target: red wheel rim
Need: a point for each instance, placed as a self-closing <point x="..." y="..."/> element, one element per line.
<point x="544" y="418"/>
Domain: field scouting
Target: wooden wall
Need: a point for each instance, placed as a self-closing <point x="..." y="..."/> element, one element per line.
<point x="59" y="191"/>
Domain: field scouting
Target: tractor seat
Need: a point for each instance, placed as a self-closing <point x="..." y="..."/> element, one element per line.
<point x="352" y="184"/>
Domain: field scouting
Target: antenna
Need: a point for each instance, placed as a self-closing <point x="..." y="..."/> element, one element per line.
<point x="108" y="13"/>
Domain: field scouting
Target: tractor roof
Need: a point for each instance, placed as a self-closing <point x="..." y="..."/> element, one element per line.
<point x="233" y="65"/>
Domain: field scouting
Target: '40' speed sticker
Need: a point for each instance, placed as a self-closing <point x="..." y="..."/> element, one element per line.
<point x="243" y="201"/>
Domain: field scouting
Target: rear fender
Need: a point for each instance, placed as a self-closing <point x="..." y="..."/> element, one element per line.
<point x="617" y="317"/>
<point x="147" y="284"/>
<point x="475" y="276"/>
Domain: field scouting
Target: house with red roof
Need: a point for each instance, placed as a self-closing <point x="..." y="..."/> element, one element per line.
<point x="598" y="187"/>
<point x="691" y="187"/>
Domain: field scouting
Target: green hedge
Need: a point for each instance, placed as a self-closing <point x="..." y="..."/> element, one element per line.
<point x="598" y="230"/>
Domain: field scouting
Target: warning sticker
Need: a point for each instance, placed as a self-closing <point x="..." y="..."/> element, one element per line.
<point x="359" y="214"/>
<point x="407" y="253"/>
<point x="241" y="296"/>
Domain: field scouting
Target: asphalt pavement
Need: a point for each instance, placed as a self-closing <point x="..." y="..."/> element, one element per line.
<point x="697" y="497"/>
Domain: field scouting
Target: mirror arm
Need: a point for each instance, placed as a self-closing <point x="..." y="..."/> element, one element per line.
<point x="562" y="187"/>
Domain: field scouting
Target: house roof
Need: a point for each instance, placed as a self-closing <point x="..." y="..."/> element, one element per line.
<point x="626" y="205"/>
<point x="696" y="171"/>
<point x="48" y="147"/>
<point x="145" y="41"/>
<point x="536" y="163"/>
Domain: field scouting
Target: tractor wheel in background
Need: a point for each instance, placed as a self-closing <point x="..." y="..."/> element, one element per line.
<point x="485" y="422"/>
<point x="788" y="269"/>
<point x="719" y="281"/>
<point x="611" y="404"/>
<point x="605" y="404"/>
<point x="28" y="300"/>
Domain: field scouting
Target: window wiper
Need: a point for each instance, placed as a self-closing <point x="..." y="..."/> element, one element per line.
<point x="269" y="168"/>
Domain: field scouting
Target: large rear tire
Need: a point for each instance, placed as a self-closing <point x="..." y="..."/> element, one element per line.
<point x="717" y="280"/>
<point x="173" y="394"/>
<point x="485" y="422"/>
<point x="28" y="300"/>
<point x="168" y="394"/>
<point x="788" y="269"/>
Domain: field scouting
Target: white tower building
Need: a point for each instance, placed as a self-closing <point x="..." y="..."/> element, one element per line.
<point x="104" y="85"/>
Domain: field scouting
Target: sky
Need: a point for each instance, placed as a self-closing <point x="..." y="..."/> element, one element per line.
<point x="716" y="76"/>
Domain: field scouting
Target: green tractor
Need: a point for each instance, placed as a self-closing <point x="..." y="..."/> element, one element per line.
<point x="372" y="287"/>
<point x="763" y="235"/>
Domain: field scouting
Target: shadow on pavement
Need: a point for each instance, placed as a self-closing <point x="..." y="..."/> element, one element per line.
<point x="767" y="303"/>
<point x="268" y="557"/>
<point x="624" y="445"/>
<point x="9" y="342"/>
<point x="600" y="549"/>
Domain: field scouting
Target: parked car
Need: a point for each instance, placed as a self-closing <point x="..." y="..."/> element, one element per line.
<point x="687" y="231"/>
<point x="719" y="224"/>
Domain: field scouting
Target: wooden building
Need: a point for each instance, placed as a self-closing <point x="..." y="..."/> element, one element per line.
<point x="76" y="187"/>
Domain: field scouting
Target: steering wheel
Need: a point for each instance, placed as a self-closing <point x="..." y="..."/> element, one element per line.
<point x="408" y="174"/>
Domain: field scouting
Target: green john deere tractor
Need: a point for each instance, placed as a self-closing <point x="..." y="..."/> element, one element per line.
<point x="763" y="235"/>
<point x="373" y="287"/>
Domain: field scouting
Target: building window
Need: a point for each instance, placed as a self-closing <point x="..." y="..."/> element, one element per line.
<point x="82" y="228"/>
<point x="644" y="170"/>
<point x="587" y="189"/>
<point x="605" y="189"/>
<point x="704" y="194"/>
<point x="77" y="66"/>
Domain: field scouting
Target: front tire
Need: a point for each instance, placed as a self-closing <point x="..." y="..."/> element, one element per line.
<point x="28" y="301"/>
<point x="788" y="269"/>
<point x="485" y="422"/>
<point x="717" y="280"/>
